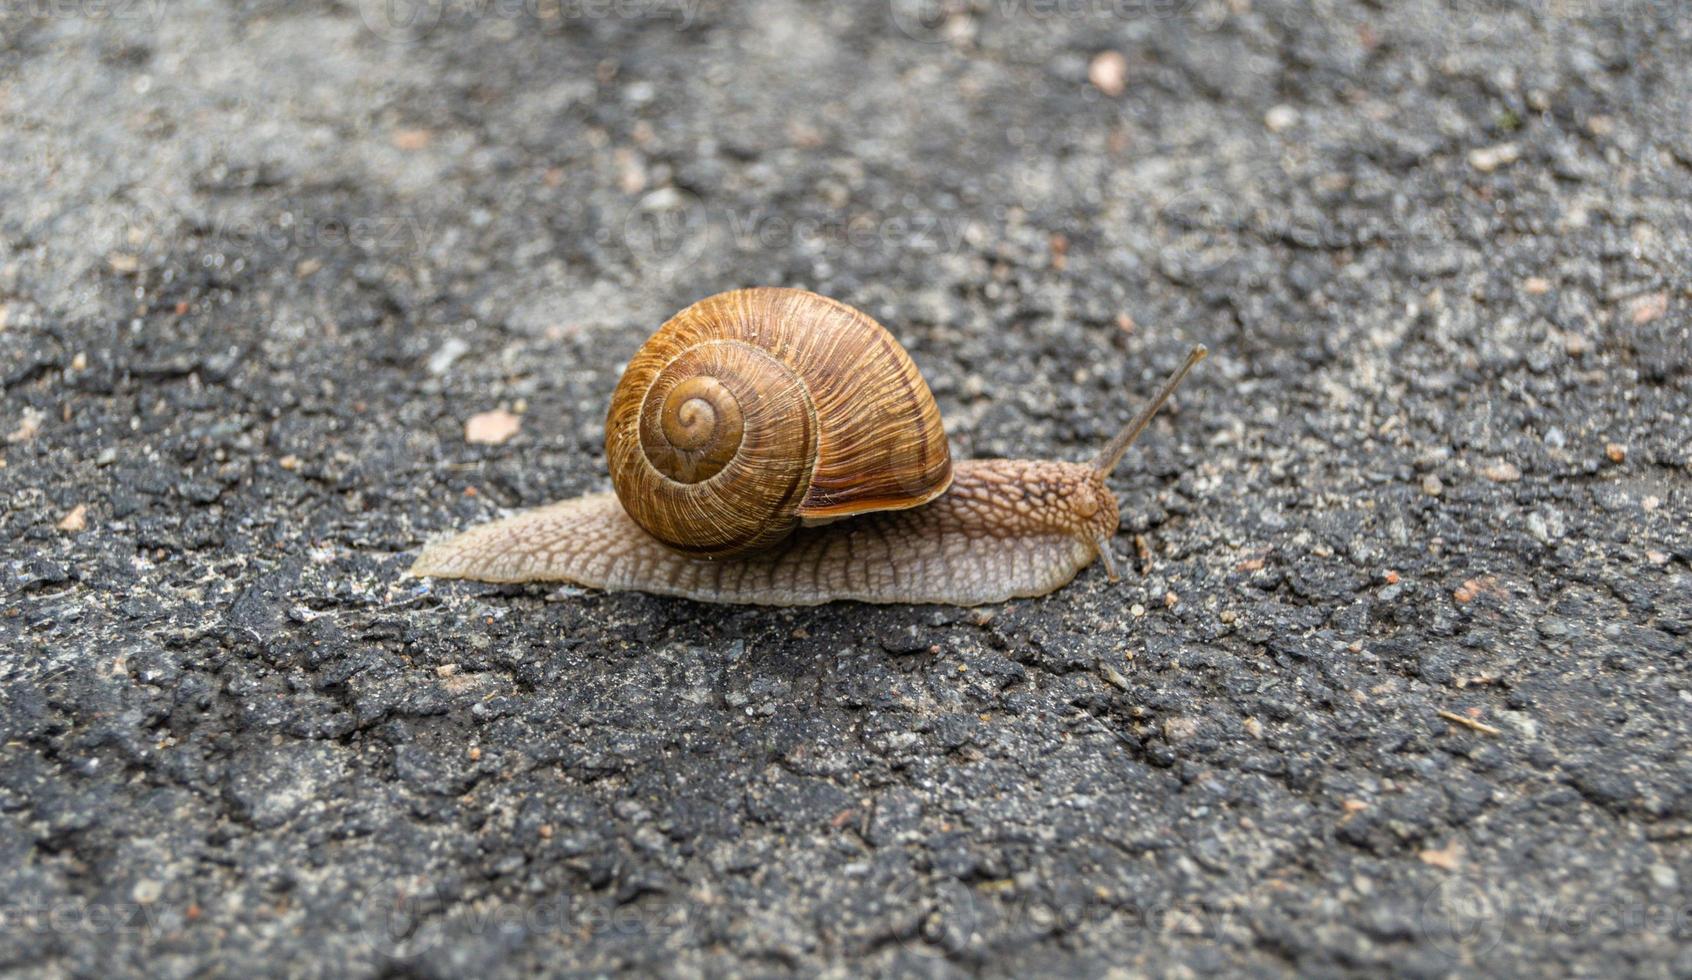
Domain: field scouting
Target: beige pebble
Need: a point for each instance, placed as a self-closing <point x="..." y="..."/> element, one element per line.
<point x="1448" y="858"/>
<point x="1502" y="472"/>
<point x="1281" y="118"/>
<point x="1109" y="72"/>
<point x="491" y="428"/>
<point x="412" y="140"/>
<point x="146" y="891"/>
<point x="1647" y="308"/>
<point x="1432" y="485"/>
<point x="1536" y="286"/>
<point x="75" y="521"/>
<point x="1486" y="159"/>
<point x="1179" y="728"/>
<point x="1616" y="452"/>
<point x="28" y="426"/>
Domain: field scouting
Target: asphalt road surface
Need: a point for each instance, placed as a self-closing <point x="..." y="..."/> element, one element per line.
<point x="1397" y="679"/>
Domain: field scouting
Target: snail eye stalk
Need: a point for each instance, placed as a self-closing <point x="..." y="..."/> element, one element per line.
<point x="1117" y="447"/>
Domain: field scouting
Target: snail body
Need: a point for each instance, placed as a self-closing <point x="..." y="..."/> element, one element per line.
<point x="1006" y="528"/>
<point x="920" y="528"/>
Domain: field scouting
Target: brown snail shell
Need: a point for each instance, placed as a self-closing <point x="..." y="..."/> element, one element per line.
<point x="755" y="410"/>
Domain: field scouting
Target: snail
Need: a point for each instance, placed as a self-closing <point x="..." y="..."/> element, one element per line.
<point x="776" y="447"/>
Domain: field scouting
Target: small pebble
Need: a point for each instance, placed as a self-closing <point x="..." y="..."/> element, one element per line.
<point x="1468" y="591"/>
<point x="441" y="361"/>
<point x="28" y="426"/>
<point x="1446" y="859"/>
<point x="76" y="521"/>
<point x="1536" y="286"/>
<point x="1616" y="451"/>
<point x="1432" y="486"/>
<point x="1137" y="610"/>
<point x="491" y="428"/>
<point x="412" y="140"/>
<point x="146" y="891"/>
<point x="1109" y="72"/>
<point x="1646" y="308"/>
<point x="1490" y="158"/>
<point x="289" y="462"/>
<point x="1503" y="472"/>
<point x="1281" y="118"/>
<point x="1228" y="616"/>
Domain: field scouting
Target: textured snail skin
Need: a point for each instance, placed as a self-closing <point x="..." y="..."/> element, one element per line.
<point x="1006" y="528"/>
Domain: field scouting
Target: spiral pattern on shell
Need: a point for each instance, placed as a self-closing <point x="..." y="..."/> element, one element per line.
<point x="756" y="409"/>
